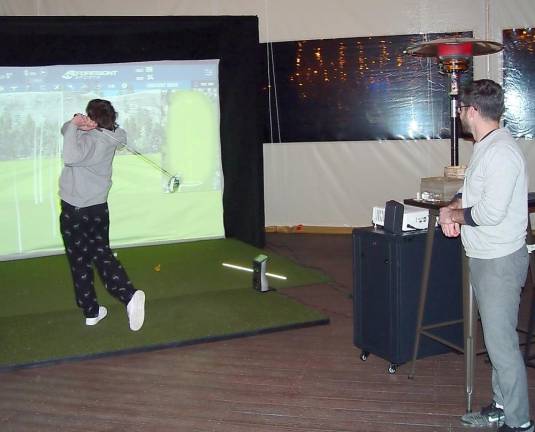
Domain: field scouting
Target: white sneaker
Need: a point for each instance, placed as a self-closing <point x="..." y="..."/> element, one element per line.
<point x="136" y="310"/>
<point x="102" y="312"/>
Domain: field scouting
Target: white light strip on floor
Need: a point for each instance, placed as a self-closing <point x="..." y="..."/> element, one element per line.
<point x="237" y="267"/>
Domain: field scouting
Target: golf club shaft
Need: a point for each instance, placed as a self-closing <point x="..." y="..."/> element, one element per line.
<point x="133" y="151"/>
<point x="150" y="161"/>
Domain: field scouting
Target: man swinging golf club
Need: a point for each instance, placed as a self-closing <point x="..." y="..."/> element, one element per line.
<point x="84" y="185"/>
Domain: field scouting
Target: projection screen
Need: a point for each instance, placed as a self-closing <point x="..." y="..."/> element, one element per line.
<point x="170" y="111"/>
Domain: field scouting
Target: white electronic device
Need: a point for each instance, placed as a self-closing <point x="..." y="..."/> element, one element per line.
<point x="414" y="218"/>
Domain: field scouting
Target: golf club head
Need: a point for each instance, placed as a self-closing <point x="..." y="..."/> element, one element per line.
<point x="172" y="184"/>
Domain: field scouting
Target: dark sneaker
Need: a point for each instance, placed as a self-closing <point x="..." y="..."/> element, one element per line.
<point x="493" y="413"/>
<point x="485" y="417"/>
<point x="529" y="428"/>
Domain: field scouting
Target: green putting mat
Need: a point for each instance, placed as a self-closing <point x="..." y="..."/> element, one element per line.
<point x="191" y="298"/>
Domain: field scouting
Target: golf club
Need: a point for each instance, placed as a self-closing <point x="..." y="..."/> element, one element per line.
<point x="172" y="183"/>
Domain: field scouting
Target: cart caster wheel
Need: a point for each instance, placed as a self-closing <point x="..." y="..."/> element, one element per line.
<point x="364" y="355"/>
<point x="392" y="368"/>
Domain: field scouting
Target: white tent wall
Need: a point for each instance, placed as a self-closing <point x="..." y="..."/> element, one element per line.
<point x="337" y="183"/>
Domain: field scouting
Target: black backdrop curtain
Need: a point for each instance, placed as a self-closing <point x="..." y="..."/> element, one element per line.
<point x="35" y="41"/>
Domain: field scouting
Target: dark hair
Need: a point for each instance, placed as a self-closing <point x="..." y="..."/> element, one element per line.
<point x="486" y="96"/>
<point x="102" y="112"/>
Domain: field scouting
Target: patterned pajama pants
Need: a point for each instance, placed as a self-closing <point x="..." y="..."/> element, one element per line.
<point x="86" y="239"/>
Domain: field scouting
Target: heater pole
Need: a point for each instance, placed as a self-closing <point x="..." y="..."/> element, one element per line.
<point x="454" y="118"/>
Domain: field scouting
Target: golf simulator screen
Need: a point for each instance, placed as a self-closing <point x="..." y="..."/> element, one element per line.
<point x="170" y="111"/>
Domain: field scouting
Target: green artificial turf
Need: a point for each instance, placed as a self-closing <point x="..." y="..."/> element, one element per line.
<point x="191" y="298"/>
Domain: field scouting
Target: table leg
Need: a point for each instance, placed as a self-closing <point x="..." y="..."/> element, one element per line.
<point x="529" y="333"/>
<point x="423" y="287"/>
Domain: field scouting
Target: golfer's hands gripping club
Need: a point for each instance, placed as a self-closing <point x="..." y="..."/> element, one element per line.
<point x="83" y="122"/>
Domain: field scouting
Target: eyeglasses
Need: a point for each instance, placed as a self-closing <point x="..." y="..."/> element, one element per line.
<point x="460" y="108"/>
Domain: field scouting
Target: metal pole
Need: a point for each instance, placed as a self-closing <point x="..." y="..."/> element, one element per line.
<point x="454" y="120"/>
<point x="470" y="318"/>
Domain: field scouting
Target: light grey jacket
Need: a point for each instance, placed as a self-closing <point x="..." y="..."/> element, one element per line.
<point x="87" y="157"/>
<point x="496" y="187"/>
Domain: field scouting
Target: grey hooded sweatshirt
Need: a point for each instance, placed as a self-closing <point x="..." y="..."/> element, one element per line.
<point x="87" y="157"/>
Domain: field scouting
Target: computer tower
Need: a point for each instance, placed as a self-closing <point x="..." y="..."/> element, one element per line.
<point x="387" y="271"/>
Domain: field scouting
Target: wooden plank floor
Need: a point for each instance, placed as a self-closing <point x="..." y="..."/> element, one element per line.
<point x="309" y="379"/>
